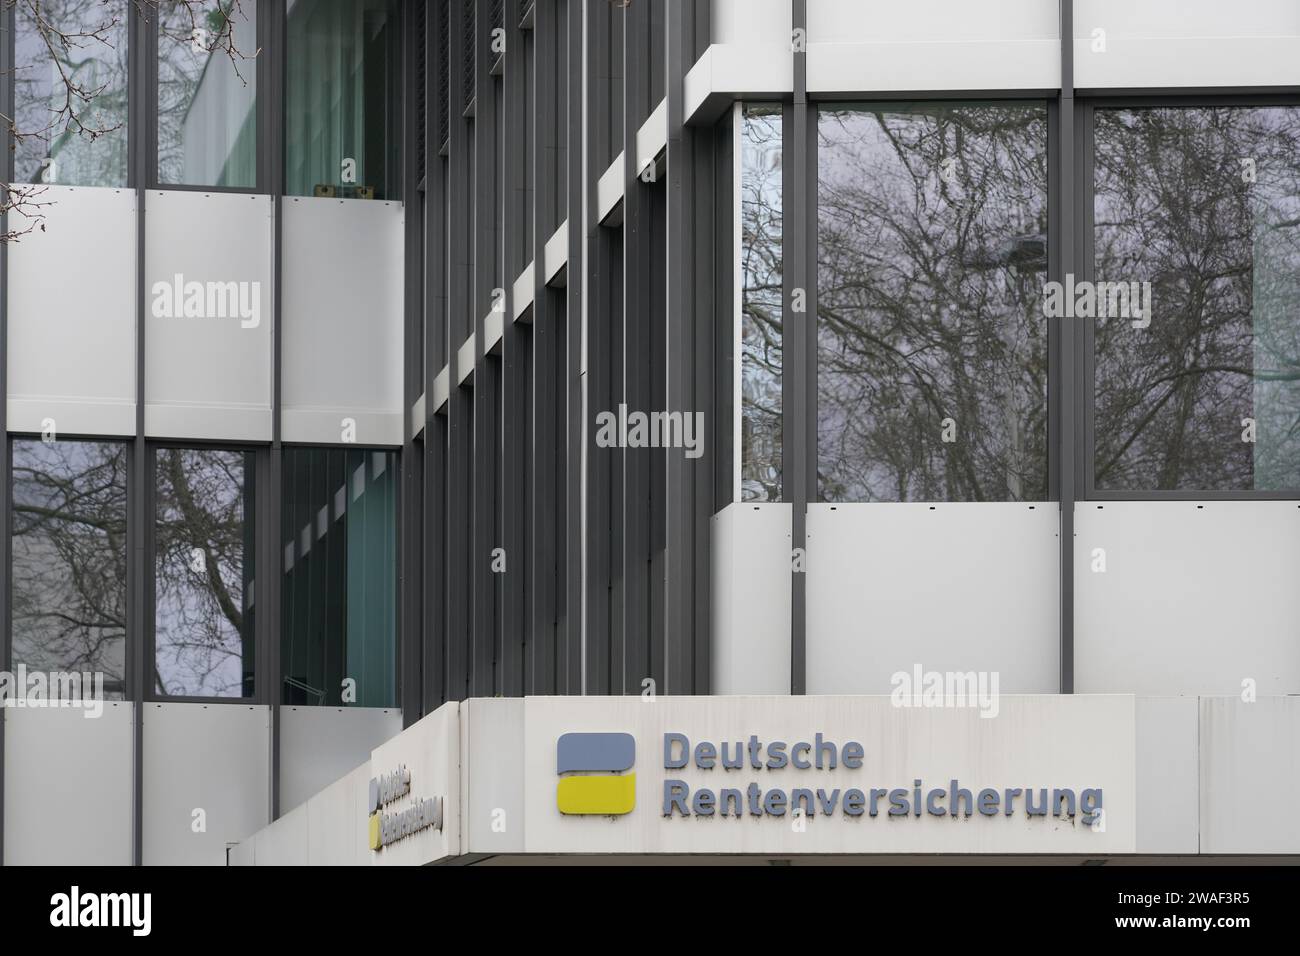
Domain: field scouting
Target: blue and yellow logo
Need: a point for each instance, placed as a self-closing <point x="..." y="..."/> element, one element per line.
<point x="598" y="784"/>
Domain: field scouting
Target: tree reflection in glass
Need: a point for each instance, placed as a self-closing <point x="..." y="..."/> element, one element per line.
<point x="69" y="558"/>
<point x="931" y="259"/>
<point x="1204" y="203"/>
<point x="203" y="566"/>
<point x="761" y="291"/>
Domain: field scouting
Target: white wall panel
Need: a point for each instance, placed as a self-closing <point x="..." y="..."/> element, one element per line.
<point x="1169" y="43"/>
<point x="211" y="756"/>
<point x="917" y="21"/>
<point x="751" y="610"/>
<point x="492" y="774"/>
<point x="71" y="347"/>
<point x="1250" y="771"/>
<point x="342" y="307"/>
<point x="933" y="45"/>
<point x="1168" y="768"/>
<point x="209" y="377"/>
<point x="287" y="843"/>
<point x="318" y="745"/>
<point x="952" y="587"/>
<point x="1196" y="597"/>
<point x="750" y="21"/>
<point x="67" y="786"/>
<point x="337" y="822"/>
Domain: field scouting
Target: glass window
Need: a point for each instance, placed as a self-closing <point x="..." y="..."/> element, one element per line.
<point x="69" y="558"/>
<point x="1200" y="208"/>
<point x="203" y="573"/>
<point x="343" y="99"/>
<point x="760" y="303"/>
<point x="70" y="92"/>
<point x="338" y="629"/>
<point x="207" y="93"/>
<point x="931" y="340"/>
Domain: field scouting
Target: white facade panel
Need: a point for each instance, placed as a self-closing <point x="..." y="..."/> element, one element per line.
<point x="920" y="21"/>
<point x="210" y="757"/>
<point x="336" y="824"/>
<point x="318" y="745"/>
<point x="747" y="71"/>
<point x="1193" y="43"/>
<point x="72" y="315"/>
<point x="208" y="315"/>
<point x="492" y="774"/>
<point x="68" y="783"/>
<point x="750" y="21"/>
<point x="1195" y="598"/>
<point x="933" y="45"/>
<point x="751" y="609"/>
<point x="1168" y="768"/>
<point x="1250" y="767"/>
<point x="430" y="751"/>
<point x="288" y="843"/>
<point x="949" y="587"/>
<point x="341" y="352"/>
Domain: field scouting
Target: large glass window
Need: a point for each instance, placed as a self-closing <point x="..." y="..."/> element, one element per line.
<point x="1201" y="208"/>
<point x="203" y="573"/>
<point x="70" y="558"/>
<point x="338" y="630"/>
<point x="207" y="93"/>
<point x="931" y="261"/>
<point x="69" y="77"/>
<point x="760" y="303"/>
<point x="343" y="99"/>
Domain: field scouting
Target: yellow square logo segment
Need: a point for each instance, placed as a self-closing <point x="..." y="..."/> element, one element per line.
<point x="375" y="842"/>
<point x="604" y="794"/>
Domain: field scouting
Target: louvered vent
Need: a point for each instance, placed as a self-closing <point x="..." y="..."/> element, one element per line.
<point x="444" y="77"/>
<point x="467" y="53"/>
<point x="421" y="95"/>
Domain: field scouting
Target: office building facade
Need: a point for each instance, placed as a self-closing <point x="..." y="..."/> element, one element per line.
<point x="546" y="429"/>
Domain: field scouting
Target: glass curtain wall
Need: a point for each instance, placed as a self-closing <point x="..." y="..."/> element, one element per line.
<point x="69" y="78"/>
<point x="343" y="99"/>
<point x="931" y="338"/>
<point x="760" y="302"/>
<point x="338" y="632"/>
<point x="203" y="572"/>
<point x="207" y="93"/>
<point x="70" y="558"/>
<point x="1200" y="206"/>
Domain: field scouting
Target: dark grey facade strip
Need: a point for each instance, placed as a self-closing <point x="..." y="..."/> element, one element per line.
<point x="799" y="354"/>
<point x="270" y="577"/>
<point x="1068" y="354"/>
<point x="456" y="542"/>
<point x="701" y="16"/>
<point x="601" y="277"/>
<point x="686" y="561"/>
<point x="540" y="653"/>
<point x="410" y="524"/>
<point x="436" y="349"/>
<point x="638" y="319"/>
<point x="572" y="137"/>
<point x="142" y="105"/>
<point x="485" y="478"/>
<point x="511" y="478"/>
